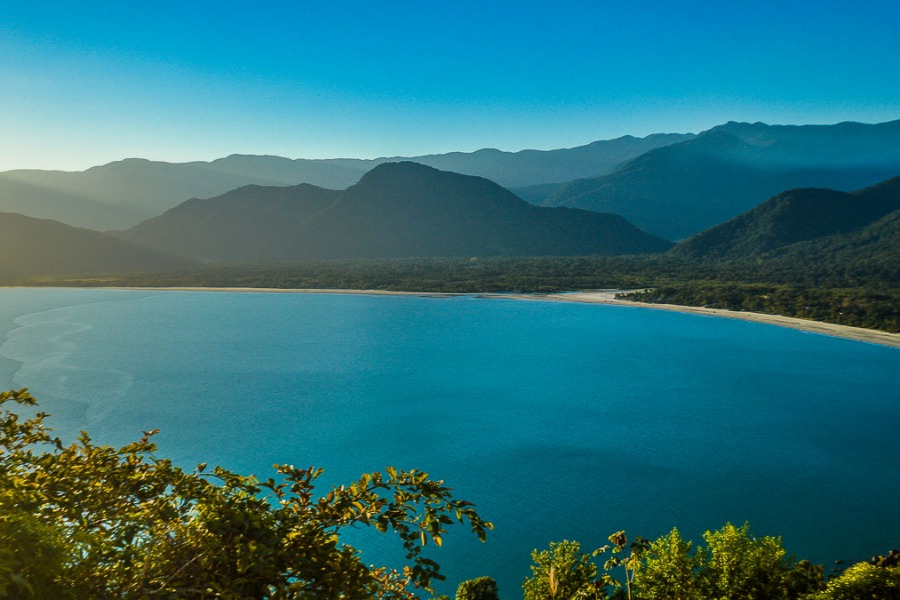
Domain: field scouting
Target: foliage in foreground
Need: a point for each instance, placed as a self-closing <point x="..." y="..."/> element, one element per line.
<point x="85" y="521"/>
<point x="732" y="565"/>
<point x="481" y="588"/>
<point x="88" y="521"/>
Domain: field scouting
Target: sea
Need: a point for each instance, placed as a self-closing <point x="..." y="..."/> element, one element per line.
<point x="560" y="421"/>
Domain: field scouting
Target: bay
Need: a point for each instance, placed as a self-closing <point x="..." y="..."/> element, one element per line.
<point x="560" y="421"/>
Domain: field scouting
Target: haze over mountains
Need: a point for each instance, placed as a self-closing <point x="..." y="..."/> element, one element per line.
<point x="680" y="186"/>
<point x="410" y="210"/>
<point x="396" y="210"/>
<point x="34" y="247"/>
<point x="682" y="189"/>
<point x="121" y="194"/>
<point x="671" y="185"/>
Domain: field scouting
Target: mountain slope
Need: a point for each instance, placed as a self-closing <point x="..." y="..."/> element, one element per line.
<point x="121" y="194"/>
<point x="824" y="219"/>
<point x="33" y="247"/>
<point x="869" y="254"/>
<point x="680" y="190"/>
<point x="396" y="210"/>
<point x="252" y="223"/>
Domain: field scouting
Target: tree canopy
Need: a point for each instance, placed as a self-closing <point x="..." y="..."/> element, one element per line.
<point x="91" y="521"/>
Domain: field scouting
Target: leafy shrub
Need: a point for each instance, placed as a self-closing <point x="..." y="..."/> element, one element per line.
<point x="863" y="581"/>
<point x="89" y="521"/>
<point x="482" y="588"/>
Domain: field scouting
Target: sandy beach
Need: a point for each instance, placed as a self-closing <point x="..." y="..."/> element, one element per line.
<point x="859" y="334"/>
<point x="607" y="297"/>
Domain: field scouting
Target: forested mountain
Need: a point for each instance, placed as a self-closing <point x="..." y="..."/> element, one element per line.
<point x="868" y="255"/>
<point x="35" y="247"/>
<point x="250" y="223"/>
<point x="396" y="210"/>
<point x="682" y="189"/>
<point x="793" y="216"/>
<point x="123" y="193"/>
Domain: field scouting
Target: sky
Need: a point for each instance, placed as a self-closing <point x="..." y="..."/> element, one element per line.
<point x="84" y="83"/>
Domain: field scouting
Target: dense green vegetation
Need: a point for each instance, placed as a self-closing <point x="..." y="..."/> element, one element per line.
<point x="84" y="521"/>
<point x="733" y="564"/>
<point x="860" y="294"/>
<point x="480" y="588"/>
<point x="857" y="307"/>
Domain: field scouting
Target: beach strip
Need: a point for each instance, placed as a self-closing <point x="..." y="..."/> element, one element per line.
<point x="860" y="334"/>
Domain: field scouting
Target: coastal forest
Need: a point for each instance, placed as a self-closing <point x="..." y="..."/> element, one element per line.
<point x="89" y="521"/>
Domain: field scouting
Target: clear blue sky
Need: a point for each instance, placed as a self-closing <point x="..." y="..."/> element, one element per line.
<point x="85" y="82"/>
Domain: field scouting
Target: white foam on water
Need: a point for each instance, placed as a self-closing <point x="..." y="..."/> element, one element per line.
<point x="45" y="346"/>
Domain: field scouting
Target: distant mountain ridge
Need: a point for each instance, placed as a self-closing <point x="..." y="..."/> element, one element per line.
<point x="807" y="225"/>
<point x="534" y="167"/>
<point x="34" y="247"/>
<point x="396" y="210"/>
<point x="123" y="193"/>
<point x="671" y="185"/>
<point x="679" y="190"/>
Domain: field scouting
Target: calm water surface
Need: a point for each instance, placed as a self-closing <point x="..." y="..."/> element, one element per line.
<point x="560" y="421"/>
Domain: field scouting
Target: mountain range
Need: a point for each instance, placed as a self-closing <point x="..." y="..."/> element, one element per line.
<point x="682" y="189"/>
<point x="123" y="193"/>
<point x="396" y="210"/>
<point x="671" y="185"/>
<point x="710" y="189"/>
<point x="410" y="210"/>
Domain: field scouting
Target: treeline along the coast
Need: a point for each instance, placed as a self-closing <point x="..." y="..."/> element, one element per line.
<point x="861" y="295"/>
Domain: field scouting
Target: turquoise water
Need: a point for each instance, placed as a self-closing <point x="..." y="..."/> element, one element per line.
<point x="560" y="421"/>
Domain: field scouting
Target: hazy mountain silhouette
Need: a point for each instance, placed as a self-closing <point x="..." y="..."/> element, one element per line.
<point x="535" y="167"/>
<point x="251" y="223"/>
<point x="44" y="247"/>
<point x="682" y="189"/>
<point x="396" y="210"/>
<point x="807" y="224"/>
<point x="123" y="193"/>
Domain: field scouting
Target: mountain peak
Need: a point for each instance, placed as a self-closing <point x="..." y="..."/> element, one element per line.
<point x="408" y="176"/>
<point x="400" y="209"/>
<point x="400" y="167"/>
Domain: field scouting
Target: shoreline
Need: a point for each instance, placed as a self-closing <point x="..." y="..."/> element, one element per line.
<point x="606" y="297"/>
<point x="858" y="334"/>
